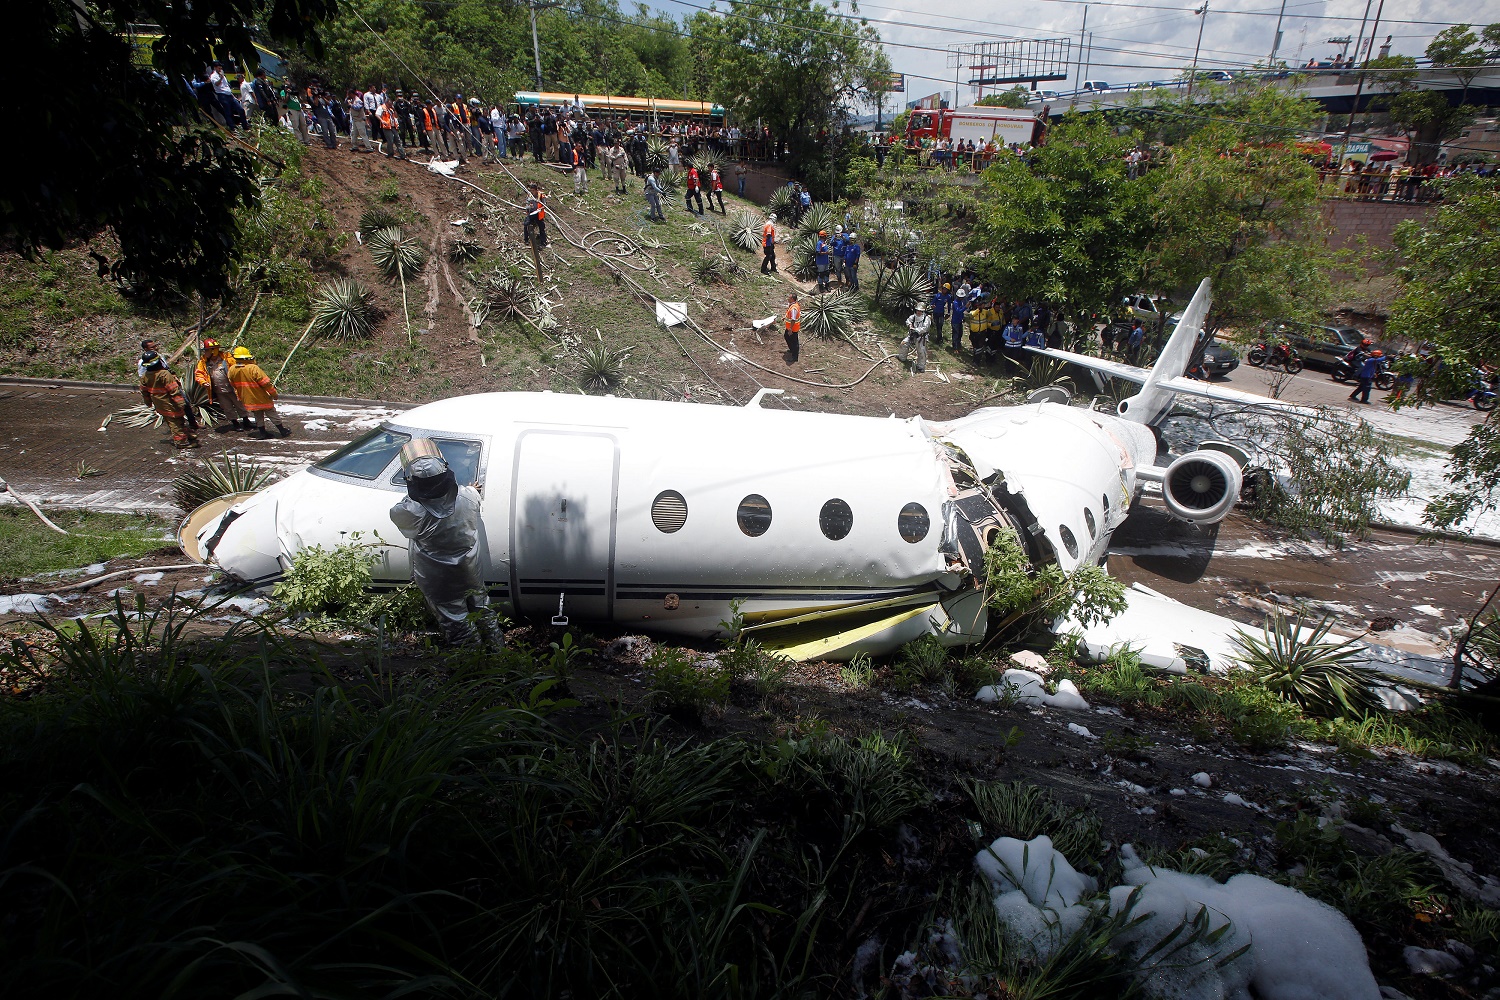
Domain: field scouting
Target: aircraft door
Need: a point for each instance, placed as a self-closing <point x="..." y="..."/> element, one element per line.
<point x="563" y="510"/>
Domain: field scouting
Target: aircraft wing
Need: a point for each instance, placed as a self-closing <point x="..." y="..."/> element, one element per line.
<point x="1114" y="369"/>
<point x="1224" y="394"/>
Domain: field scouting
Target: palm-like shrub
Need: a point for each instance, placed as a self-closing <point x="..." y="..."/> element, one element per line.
<point x="508" y="294"/>
<point x="218" y="477"/>
<point x="600" y="368"/>
<point x="463" y="250"/>
<point x="832" y="314"/>
<point x="656" y="153"/>
<point x="745" y="229"/>
<point x="398" y="257"/>
<point x="671" y="180"/>
<point x="343" y="310"/>
<point x="903" y="288"/>
<point x="376" y="218"/>
<point x="819" y="217"/>
<point x="715" y="268"/>
<point x="1042" y="373"/>
<point x="804" y="257"/>
<point x="783" y="204"/>
<point x="1309" y="670"/>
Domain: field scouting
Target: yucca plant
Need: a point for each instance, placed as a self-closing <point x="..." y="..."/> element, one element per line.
<point x="708" y="269"/>
<point x="804" y="257"/>
<point x="601" y="369"/>
<point x="745" y="229"/>
<point x="463" y="250"/>
<point x="1309" y="670"/>
<point x="832" y="314"/>
<point x="671" y="181"/>
<point x="218" y="477"/>
<point x="903" y="288"/>
<point x="783" y="204"/>
<point x="398" y="257"/>
<point x="344" y="310"/>
<point x="819" y="217"/>
<point x="1042" y="373"/>
<point x="507" y="294"/>
<point x="376" y="218"/>
<point x="656" y="153"/>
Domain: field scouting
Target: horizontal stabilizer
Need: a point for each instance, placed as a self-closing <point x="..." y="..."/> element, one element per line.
<point x="1224" y="394"/>
<point x="1114" y="369"/>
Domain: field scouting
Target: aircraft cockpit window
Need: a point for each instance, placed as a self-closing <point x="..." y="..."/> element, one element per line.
<point x="835" y="519"/>
<point x="1088" y="522"/>
<point x="1105" y="498"/>
<point x="913" y="522"/>
<point x="754" y="515"/>
<point x="669" y="511"/>
<point x="1069" y="542"/>
<point x="366" y="457"/>
<point x="462" y="457"/>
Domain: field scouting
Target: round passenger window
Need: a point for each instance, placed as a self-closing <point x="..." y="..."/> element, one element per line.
<point x="835" y="519"/>
<point x="1069" y="542"/>
<point x="913" y="522"/>
<point x="1088" y="522"/>
<point x="669" y="511"/>
<point x="754" y="515"/>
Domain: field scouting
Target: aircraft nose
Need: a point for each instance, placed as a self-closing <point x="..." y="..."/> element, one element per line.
<point x="249" y="546"/>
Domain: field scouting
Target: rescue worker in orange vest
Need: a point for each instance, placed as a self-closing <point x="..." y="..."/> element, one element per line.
<point x="580" y="171"/>
<point x="536" y="216"/>
<point x="257" y="394"/>
<point x="792" y="327"/>
<point x="212" y="373"/>
<point x="161" y="391"/>
<point x="427" y="132"/>
<point x="768" y="245"/>
<point x="390" y="129"/>
<point x="461" y="118"/>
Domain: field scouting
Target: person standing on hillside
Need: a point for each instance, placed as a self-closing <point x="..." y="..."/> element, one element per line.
<point x="851" y="264"/>
<point x="821" y="254"/>
<point x="716" y="188"/>
<point x="693" y="190"/>
<point x="161" y="391"/>
<point x="618" y="165"/>
<point x="212" y="372"/>
<point x="741" y="172"/>
<point x="768" y="245"/>
<point x="256" y="393"/>
<point x="792" y="328"/>
<point x="580" y="172"/>
<point x="918" y="325"/>
<point x="653" y="197"/>
<point x="536" y="217"/>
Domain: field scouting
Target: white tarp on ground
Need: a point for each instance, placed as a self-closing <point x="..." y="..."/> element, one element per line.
<point x="671" y="313"/>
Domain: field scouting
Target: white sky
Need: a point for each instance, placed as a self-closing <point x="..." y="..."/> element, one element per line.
<point x="1135" y="40"/>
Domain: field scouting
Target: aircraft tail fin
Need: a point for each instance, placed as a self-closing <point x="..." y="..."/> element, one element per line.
<point x="1155" y="398"/>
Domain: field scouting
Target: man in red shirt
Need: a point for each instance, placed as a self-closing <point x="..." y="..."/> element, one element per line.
<point x="693" y="191"/>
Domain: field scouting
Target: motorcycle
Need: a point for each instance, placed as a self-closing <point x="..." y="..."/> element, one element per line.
<point x="1349" y="374"/>
<point x="1281" y="356"/>
<point x="1482" y="396"/>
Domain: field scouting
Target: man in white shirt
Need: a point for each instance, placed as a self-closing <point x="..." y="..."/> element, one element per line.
<point x="497" y="129"/>
<point x="234" y="115"/>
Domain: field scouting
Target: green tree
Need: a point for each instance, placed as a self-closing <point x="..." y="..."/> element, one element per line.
<point x="129" y="151"/>
<point x="795" y="65"/>
<point x="1066" y="224"/>
<point x="1450" y="298"/>
<point x="1428" y="120"/>
<point x="1237" y="203"/>
<point x="1015" y="97"/>
<point x="1459" y="47"/>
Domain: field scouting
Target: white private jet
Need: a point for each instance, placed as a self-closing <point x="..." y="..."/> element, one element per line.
<point x="831" y="534"/>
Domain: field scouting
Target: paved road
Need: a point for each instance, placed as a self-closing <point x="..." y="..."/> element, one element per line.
<point x="48" y="430"/>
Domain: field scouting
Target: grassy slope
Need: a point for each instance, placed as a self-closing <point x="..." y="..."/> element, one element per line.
<point x="30" y="547"/>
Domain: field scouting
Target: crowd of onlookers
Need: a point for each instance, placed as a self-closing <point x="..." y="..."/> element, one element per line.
<point x="1392" y="181"/>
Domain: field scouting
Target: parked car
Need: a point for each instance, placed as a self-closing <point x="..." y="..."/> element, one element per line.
<point x="1318" y="344"/>
<point x="1146" y="308"/>
<point x="1218" y="359"/>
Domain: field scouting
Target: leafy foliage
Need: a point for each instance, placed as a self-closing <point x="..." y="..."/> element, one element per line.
<point x="217" y="477"/>
<point x="1016" y="809"/>
<point x="867" y="783"/>
<point x="685" y="687"/>
<point x="832" y="314"/>
<point x="464" y="251"/>
<point x="508" y="294"/>
<point x="819" y="218"/>
<point x="1026" y="596"/>
<point x="396" y="255"/>
<point x="344" y="310"/>
<point x="328" y="581"/>
<point x="657" y="153"/>
<point x="1319" y="675"/>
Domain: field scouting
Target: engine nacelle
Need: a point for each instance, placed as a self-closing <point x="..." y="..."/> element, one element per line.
<point x="1202" y="486"/>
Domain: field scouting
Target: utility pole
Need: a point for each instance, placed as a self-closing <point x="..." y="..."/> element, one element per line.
<point x="1349" y="128"/>
<point x="1276" y="41"/>
<point x="1081" y="71"/>
<point x="536" y="52"/>
<point x="1203" y="19"/>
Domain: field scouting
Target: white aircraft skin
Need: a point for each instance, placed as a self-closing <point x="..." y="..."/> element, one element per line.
<point x="578" y="503"/>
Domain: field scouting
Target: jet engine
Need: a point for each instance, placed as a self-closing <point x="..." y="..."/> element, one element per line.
<point x="1202" y="486"/>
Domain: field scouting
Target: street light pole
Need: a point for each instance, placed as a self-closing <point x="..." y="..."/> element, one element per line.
<point x="1276" y="39"/>
<point x="1081" y="70"/>
<point x="536" y="49"/>
<point x="1202" y="13"/>
<point x="1349" y="128"/>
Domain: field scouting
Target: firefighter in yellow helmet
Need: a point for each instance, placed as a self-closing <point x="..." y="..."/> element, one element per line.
<point x="212" y="373"/>
<point x="255" y="391"/>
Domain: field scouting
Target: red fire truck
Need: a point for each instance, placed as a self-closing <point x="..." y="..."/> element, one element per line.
<point x="1005" y="126"/>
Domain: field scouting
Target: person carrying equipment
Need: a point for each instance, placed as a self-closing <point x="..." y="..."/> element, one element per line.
<point x="161" y="391"/>
<point x="441" y="519"/>
<point x="768" y="245"/>
<point x="256" y="393"/>
<point x="918" y="325"/>
<point x="212" y="373"/>
<point x="792" y="327"/>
